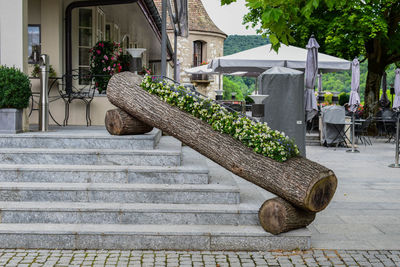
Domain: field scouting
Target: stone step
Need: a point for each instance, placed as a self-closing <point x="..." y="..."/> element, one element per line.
<point x="156" y="157"/>
<point x="91" y="139"/>
<point x="120" y="193"/>
<point x="122" y="213"/>
<point x="155" y="237"/>
<point x="103" y="174"/>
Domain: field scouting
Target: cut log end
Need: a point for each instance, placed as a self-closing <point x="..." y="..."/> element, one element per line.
<point x="118" y="122"/>
<point x="321" y="193"/>
<point x="278" y="216"/>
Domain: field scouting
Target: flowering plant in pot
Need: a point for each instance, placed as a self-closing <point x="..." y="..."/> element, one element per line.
<point x="104" y="62"/>
<point x="14" y="96"/>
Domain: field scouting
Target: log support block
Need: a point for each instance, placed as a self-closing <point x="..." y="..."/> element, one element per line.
<point x="118" y="122"/>
<point x="278" y="216"/>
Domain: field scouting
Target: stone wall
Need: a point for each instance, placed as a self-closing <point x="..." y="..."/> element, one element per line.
<point x="214" y="48"/>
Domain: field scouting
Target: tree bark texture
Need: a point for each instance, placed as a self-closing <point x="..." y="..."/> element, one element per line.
<point x="304" y="183"/>
<point x="118" y="122"/>
<point x="278" y="216"/>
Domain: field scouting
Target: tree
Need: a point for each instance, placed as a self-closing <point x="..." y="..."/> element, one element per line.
<point x="345" y="28"/>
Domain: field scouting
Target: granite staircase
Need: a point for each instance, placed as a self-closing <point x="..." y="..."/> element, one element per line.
<point x="85" y="189"/>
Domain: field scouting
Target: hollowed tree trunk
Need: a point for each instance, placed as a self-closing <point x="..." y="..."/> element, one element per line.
<point x="304" y="183"/>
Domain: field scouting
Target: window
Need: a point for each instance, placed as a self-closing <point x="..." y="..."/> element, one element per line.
<point x="108" y="32"/>
<point x="101" y="23"/>
<point x="33" y="44"/>
<point x="85" y="43"/>
<point x="197" y="53"/>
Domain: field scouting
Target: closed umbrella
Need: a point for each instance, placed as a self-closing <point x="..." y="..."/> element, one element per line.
<point x="354" y="100"/>
<point x="396" y="101"/>
<point x="310" y="102"/>
<point x="178" y="71"/>
<point x="384" y="100"/>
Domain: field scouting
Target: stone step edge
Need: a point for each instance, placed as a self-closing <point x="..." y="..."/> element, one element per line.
<point x="155" y="152"/>
<point x="103" y="168"/>
<point x="150" y="237"/>
<point x="127" y="207"/>
<point x="83" y="136"/>
<point x="152" y="229"/>
<point x="117" y="187"/>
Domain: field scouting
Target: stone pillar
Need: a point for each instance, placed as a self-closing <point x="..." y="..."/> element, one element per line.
<point x="14" y="33"/>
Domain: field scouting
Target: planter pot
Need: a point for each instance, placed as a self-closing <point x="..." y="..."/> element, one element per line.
<point x="10" y="120"/>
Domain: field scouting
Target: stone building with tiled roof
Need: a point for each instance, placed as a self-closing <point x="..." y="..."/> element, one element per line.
<point x="205" y="42"/>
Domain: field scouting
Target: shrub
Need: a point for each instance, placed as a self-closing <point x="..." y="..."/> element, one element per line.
<point x="344" y="98"/>
<point x="104" y="62"/>
<point x="249" y="100"/>
<point x="328" y="97"/>
<point x="36" y="71"/>
<point x="256" y="135"/>
<point x="15" y="88"/>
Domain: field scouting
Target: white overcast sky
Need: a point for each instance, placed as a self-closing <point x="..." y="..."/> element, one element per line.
<point x="229" y="17"/>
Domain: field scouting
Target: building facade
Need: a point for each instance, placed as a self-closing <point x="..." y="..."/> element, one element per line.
<point x="68" y="29"/>
<point x="205" y="42"/>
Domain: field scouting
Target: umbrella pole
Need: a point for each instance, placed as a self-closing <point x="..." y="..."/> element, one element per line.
<point x="219" y="82"/>
<point x="353" y="149"/>
<point x="396" y="162"/>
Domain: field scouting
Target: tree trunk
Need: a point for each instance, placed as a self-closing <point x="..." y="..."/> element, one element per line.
<point x="377" y="57"/>
<point x="278" y="216"/>
<point x="302" y="182"/>
<point x="118" y="122"/>
<point x="372" y="88"/>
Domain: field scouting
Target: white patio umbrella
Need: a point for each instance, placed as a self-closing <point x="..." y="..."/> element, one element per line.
<point x="259" y="59"/>
<point x="396" y="101"/>
<point x="354" y="100"/>
<point x="203" y="69"/>
<point x="310" y="102"/>
<point x="384" y="100"/>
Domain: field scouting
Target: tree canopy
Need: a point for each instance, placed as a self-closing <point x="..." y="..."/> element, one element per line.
<point x="368" y="29"/>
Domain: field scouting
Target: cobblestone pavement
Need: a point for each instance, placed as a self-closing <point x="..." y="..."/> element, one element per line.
<point x="20" y="257"/>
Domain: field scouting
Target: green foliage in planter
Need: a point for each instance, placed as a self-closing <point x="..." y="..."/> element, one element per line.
<point x="15" y="88"/>
<point x="258" y="136"/>
<point x="36" y="71"/>
<point x="344" y="98"/>
<point x="104" y="62"/>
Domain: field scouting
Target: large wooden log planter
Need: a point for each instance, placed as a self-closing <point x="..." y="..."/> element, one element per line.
<point x="278" y="216"/>
<point x="304" y="183"/>
<point x="118" y="122"/>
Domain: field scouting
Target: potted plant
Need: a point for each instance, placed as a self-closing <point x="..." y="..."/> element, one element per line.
<point x="14" y="96"/>
<point x="104" y="62"/>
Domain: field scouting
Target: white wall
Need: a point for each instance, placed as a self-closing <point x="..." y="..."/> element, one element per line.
<point x="14" y="33"/>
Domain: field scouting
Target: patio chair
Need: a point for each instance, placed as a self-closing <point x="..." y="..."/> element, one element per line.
<point x="385" y="123"/>
<point x="361" y="131"/>
<point x="82" y="89"/>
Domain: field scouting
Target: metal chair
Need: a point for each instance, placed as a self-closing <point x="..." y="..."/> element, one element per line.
<point x="361" y="131"/>
<point x="81" y="89"/>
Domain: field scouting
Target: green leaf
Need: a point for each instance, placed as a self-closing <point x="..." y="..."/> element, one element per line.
<point x="274" y="40"/>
